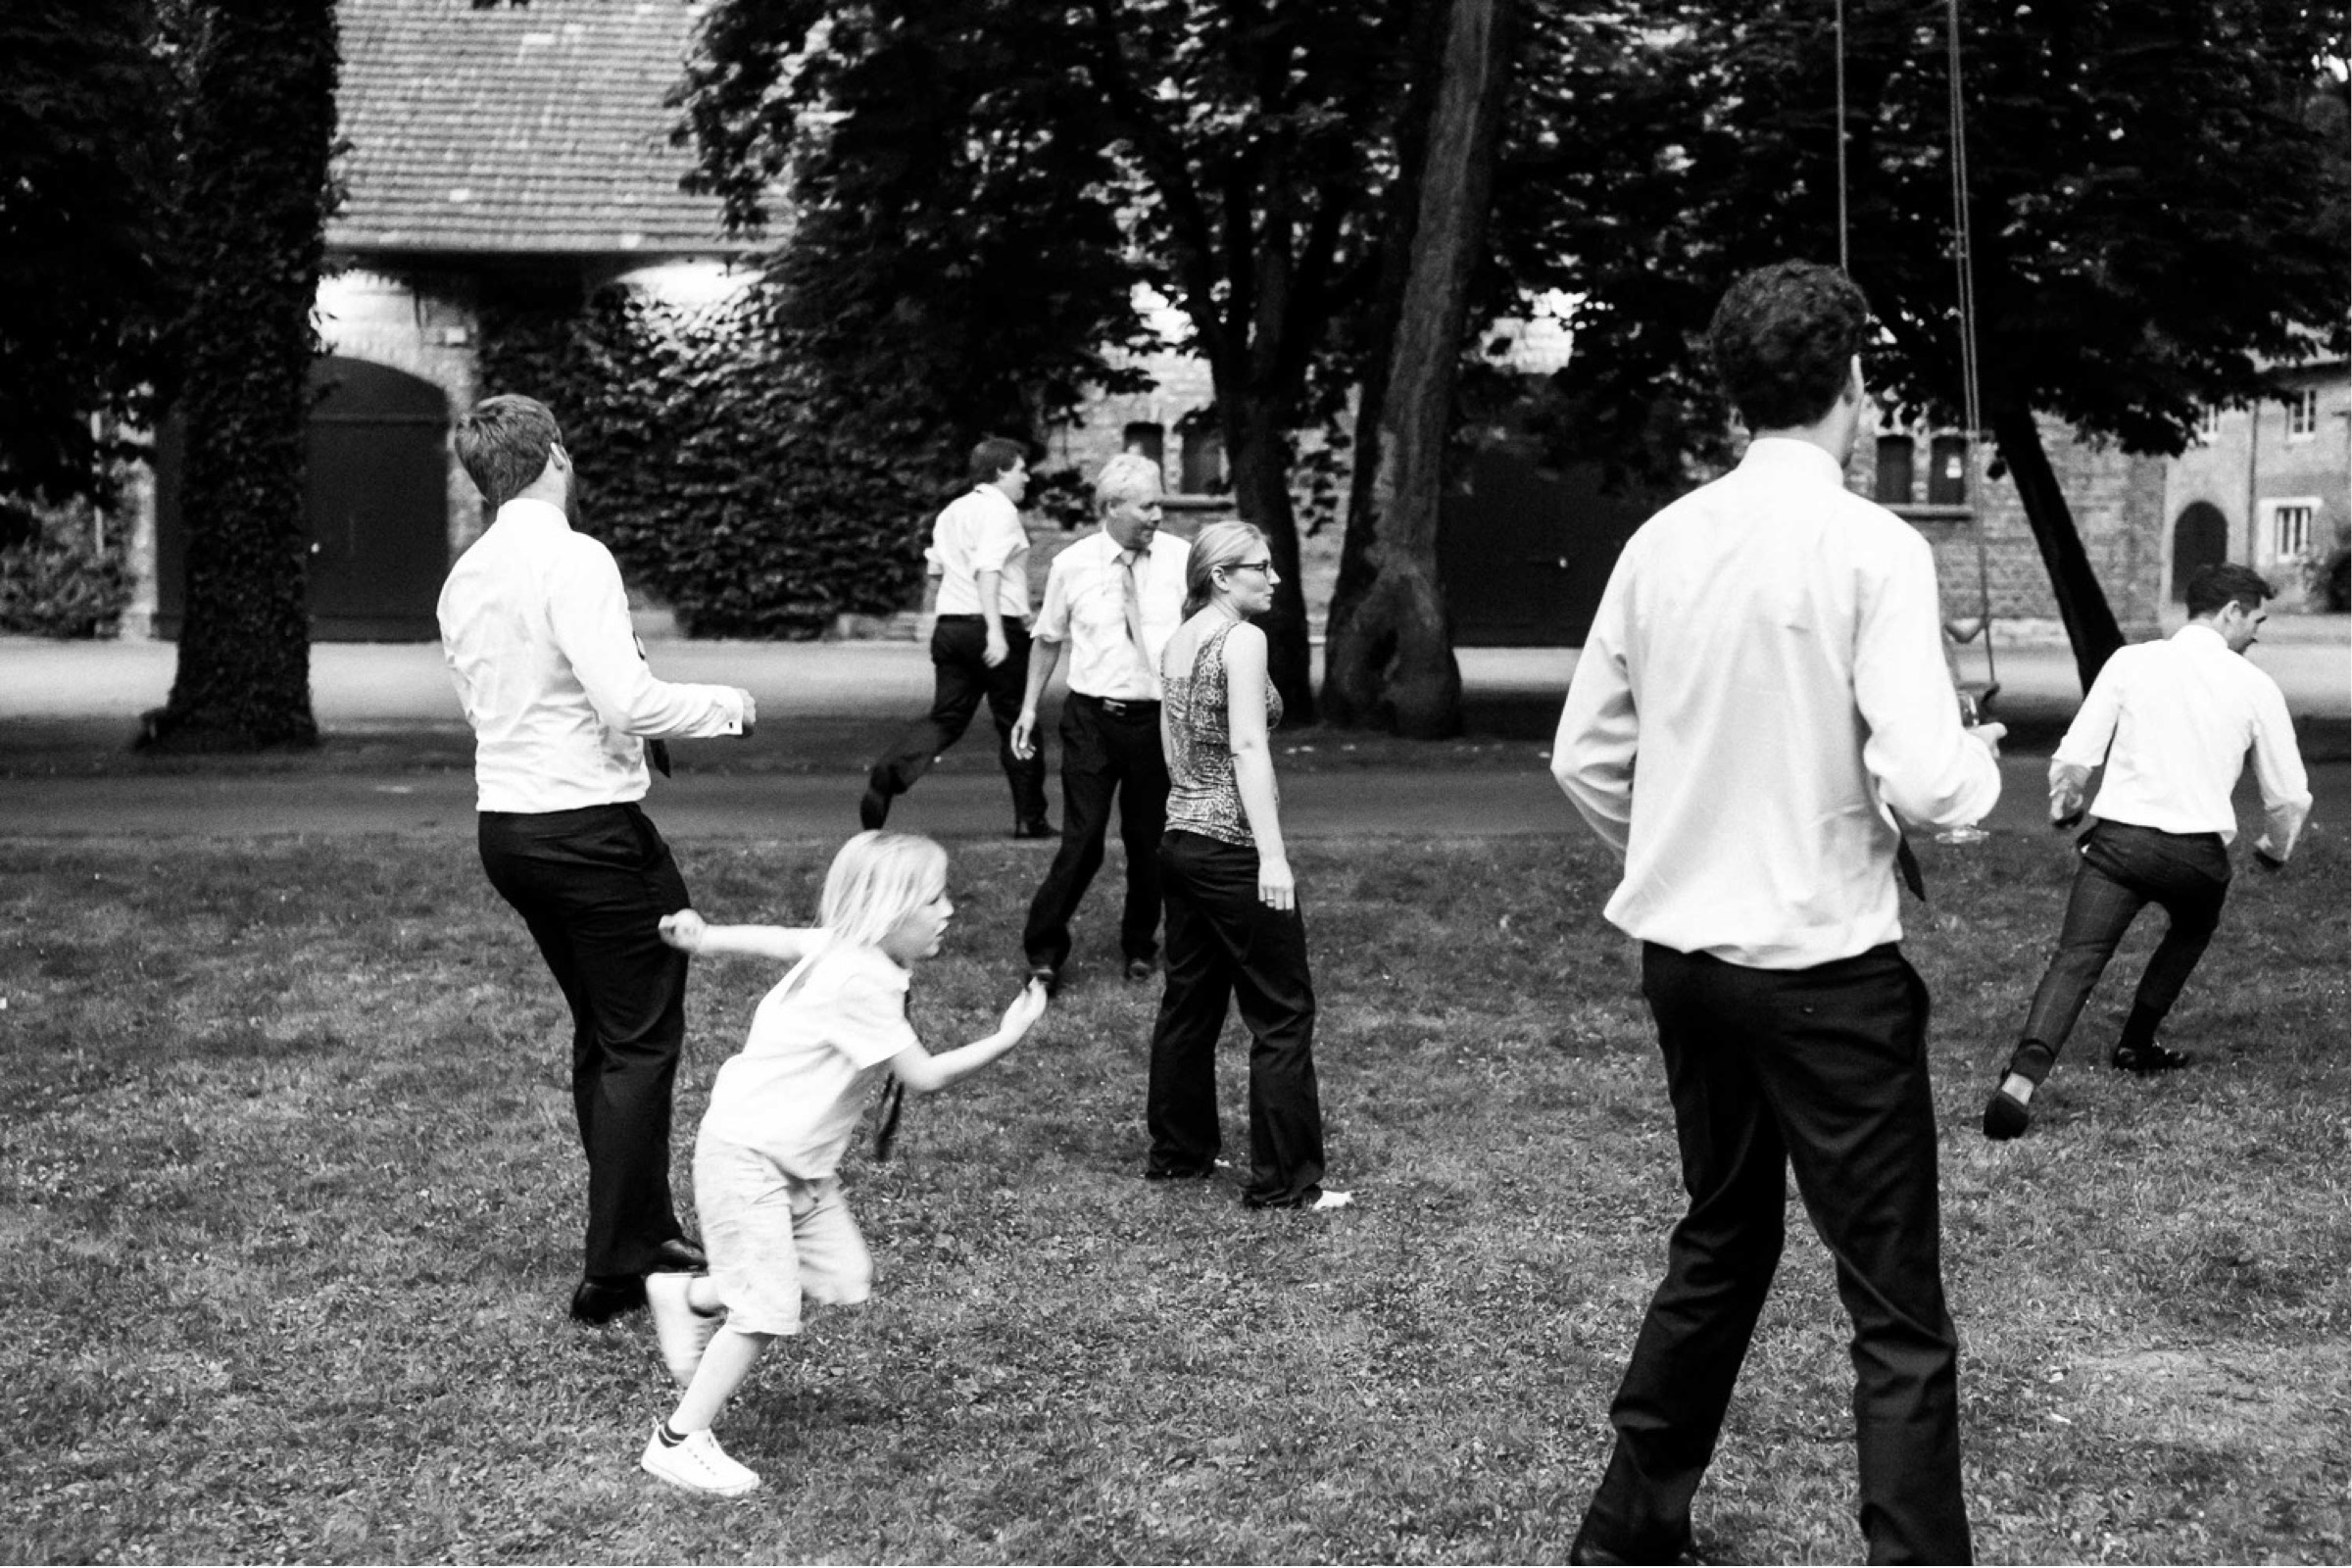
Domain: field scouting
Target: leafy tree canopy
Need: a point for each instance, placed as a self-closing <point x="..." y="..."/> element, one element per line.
<point x="87" y="100"/>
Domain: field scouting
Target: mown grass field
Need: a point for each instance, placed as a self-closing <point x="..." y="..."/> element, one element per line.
<point x="290" y="1200"/>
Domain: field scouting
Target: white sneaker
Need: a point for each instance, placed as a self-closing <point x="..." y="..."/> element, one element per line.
<point x="1332" y="1198"/>
<point x="683" y="1333"/>
<point x="698" y="1464"/>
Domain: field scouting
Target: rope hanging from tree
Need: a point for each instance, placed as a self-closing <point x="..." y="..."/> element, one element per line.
<point x="1964" y="286"/>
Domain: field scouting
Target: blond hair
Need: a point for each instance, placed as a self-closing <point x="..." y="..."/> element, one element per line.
<point x="878" y="880"/>
<point x="1220" y="544"/>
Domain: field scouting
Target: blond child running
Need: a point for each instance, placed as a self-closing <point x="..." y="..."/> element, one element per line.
<point x="782" y="1113"/>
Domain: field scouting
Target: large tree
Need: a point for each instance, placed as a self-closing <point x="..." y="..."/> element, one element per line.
<point x="1387" y="647"/>
<point x="2156" y="218"/>
<point x="260" y="130"/>
<point x="85" y="288"/>
<point x="1237" y="157"/>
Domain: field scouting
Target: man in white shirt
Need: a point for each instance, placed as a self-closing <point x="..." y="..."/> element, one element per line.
<point x="1762" y="694"/>
<point x="1115" y="597"/>
<point x="535" y="627"/>
<point x="979" y="641"/>
<point x="2174" y="722"/>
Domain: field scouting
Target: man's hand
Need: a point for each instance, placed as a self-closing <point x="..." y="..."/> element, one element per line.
<point x="1989" y="736"/>
<point x="1023" y="739"/>
<point x="751" y="710"/>
<point x="998" y="649"/>
<point x="683" y="931"/>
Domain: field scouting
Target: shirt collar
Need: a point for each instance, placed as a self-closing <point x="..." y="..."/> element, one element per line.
<point x="1118" y="551"/>
<point x="1786" y="454"/>
<point x="533" y="514"/>
<point x="2205" y="631"/>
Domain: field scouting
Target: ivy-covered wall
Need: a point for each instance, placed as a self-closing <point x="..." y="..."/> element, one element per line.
<point x="709" y="462"/>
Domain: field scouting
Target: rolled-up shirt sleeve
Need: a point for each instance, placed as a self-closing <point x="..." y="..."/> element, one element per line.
<point x="1592" y="752"/>
<point x="1929" y="769"/>
<point x="589" y="615"/>
<point x="2278" y="771"/>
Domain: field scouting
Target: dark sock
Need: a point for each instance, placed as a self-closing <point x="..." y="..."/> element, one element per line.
<point x="670" y="1439"/>
<point x="2033" y="1059"/>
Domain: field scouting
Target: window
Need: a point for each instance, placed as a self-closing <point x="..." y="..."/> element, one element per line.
<point x="1893" y="487"/>
<point x="2209" y="421"/>
<point x="2303" y="413"/>
<point x="1147" y="439"/>
<point x="1203" y="470"/>
<point x="2290" y="528"/>
<point x="1947" y="471"/>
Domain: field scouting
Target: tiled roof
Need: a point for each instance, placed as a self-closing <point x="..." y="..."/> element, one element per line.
<point x="528" y="128"/>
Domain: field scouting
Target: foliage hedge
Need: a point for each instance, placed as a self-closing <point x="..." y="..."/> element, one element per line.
<point x="714" y="463"/>
<point x="62" y="574"/>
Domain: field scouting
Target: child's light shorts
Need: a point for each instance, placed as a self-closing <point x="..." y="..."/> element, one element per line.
<point x="776" y="1239"/>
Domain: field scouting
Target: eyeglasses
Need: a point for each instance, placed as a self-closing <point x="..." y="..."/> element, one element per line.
<point x="1251" y="565"/>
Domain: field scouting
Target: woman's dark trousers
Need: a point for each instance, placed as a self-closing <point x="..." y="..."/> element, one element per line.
<point x="1223" y="942"/>
<point x="1823" y="1071"/>
<point x="593" y="885"/>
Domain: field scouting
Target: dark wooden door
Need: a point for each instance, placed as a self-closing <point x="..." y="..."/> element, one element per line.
<point x="2200" y="539"/>
<point x="377" y="505"/>
<point x="1525" y="550"/>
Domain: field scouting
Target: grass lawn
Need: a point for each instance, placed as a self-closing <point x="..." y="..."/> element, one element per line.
<point x="291" y="1201"/>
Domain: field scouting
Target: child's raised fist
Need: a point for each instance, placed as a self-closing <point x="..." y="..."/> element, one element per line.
<point x="683" y="930"/>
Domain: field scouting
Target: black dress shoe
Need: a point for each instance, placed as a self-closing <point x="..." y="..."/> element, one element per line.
<point x="604" y="1298"/>
<point x="1141" y="968"/>
<point x="1584" y="1549"/>
<point x="2148" y="1058"/>
<point x="1039" y="829"/>
<point x="678" y="1255"/>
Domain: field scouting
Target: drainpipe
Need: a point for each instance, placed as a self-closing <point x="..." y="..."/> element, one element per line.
<point x="2253" y="460"/>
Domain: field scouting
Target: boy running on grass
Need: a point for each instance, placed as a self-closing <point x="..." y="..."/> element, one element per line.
<point x="781" y="1116"/>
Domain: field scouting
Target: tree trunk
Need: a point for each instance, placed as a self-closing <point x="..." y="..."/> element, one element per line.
<point x="1389" y="646"/>
<point x="261" y="126"/>
<point x="1259" y="445"/>
<point x="2082" y="604"/>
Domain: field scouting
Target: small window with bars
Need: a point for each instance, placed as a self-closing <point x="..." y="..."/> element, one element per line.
<point x="2290" y="529"/>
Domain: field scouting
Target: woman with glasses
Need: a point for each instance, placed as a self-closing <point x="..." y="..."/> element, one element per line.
<point x="1233" y="923"/>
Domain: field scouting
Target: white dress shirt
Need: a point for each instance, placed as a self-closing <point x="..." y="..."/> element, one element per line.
<point x="1085" y="607"/>
<point x="981" y="531"/>
<point x="535" y="627"/>
<point x="1764" y="680"/>
<point x="2174" y="722"/>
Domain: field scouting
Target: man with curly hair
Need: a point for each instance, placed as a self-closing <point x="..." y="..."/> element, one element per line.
<point x="1768" y="653"/>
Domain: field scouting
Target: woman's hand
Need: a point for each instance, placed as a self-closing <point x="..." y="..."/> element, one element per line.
<point x="1275" y="888"/>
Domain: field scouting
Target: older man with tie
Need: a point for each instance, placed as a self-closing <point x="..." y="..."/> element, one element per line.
<point x="1114" y="597"/>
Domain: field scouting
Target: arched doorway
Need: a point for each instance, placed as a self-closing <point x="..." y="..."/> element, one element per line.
<point x="376" y="501"/>
<point x="2200" y="539"/>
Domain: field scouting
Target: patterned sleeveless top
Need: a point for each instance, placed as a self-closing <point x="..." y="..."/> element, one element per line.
<point x="1202" y="797"/>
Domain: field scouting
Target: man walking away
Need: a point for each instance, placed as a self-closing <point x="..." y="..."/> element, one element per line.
<point x="1762" y="693"/>
<point x="979" y="642"/>
<point x="2174" y="722"/>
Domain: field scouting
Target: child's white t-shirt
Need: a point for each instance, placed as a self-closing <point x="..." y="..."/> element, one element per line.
<point x="794" y="1090"/>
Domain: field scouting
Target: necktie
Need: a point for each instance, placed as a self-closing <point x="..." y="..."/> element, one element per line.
<point x="1133" y="603"/>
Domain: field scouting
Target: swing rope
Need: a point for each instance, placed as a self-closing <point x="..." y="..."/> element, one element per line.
<point x="1964" y="286"/>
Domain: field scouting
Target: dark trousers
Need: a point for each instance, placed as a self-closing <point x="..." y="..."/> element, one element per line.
<point x="961" y="677"/>
<point x="592" y="885"/>
<point x="2125" y="868"/>
<point x="1105" y="747"/>
<point x="1823" y="1071"/>
<point x="1224" y="943"/>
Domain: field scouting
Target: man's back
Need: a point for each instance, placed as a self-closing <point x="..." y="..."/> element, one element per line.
<point x="1773" y="641"/>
